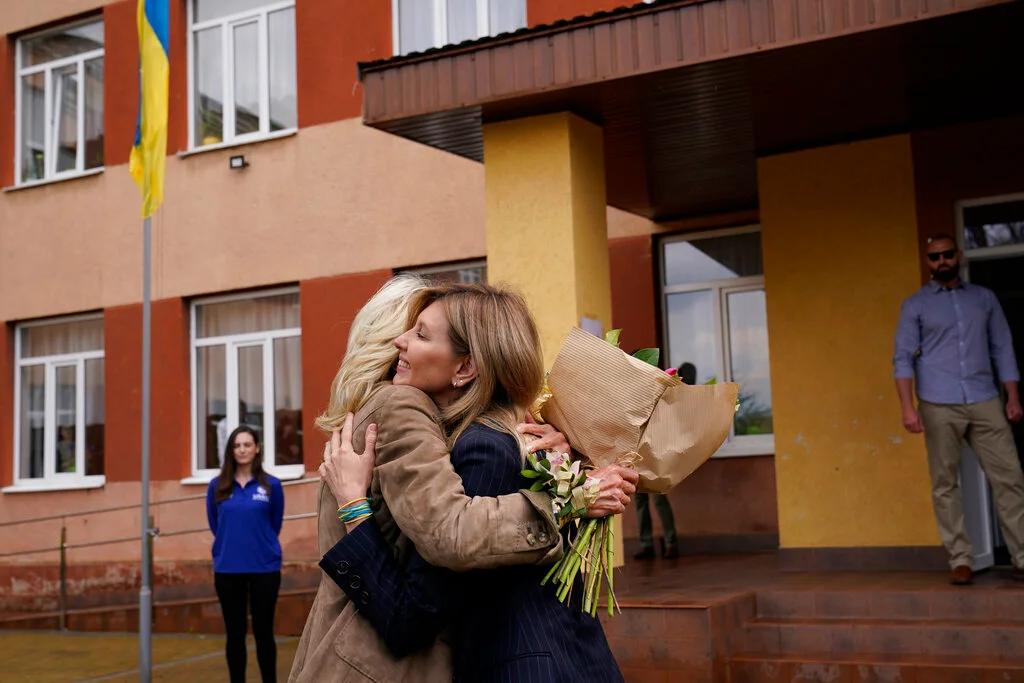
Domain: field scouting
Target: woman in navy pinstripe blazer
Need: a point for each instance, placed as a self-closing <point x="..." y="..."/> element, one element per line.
<point x="474" y="350"/>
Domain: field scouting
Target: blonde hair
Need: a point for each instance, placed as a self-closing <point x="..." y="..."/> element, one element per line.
<point x="493" y="325"/>
<point x="371" y="353"/>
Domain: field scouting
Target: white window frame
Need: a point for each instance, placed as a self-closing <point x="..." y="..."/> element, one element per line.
<point x="51" y="479"/>
<point x="227" y="23"/>
<point x="427" y="271"/>
<point x="231" y="343"/>
<point x="440" y="32"/>
<point x="50" y="140"/>
<point x="735" y="446"/>
<point x="981" y="253"/>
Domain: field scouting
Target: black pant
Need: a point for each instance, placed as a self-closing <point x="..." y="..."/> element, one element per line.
<point x="234" y="591"/>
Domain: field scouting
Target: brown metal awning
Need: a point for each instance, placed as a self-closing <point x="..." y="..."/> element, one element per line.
<point x="690" y="93"/>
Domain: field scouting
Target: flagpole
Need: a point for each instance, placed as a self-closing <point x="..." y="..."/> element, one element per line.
<point x="146" y="590"/>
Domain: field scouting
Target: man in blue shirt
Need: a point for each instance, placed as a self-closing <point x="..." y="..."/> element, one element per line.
<point x="950" y="335"/>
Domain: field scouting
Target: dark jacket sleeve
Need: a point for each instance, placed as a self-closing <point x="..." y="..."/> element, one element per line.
<point x="408" y="606"/>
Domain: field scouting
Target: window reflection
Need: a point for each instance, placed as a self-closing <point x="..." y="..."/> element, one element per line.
<point x="994" y="225"/>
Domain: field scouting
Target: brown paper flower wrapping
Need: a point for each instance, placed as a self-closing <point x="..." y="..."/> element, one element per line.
<point x="614" y="408"/>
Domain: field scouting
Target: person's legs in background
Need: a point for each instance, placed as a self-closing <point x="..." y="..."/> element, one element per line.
<point x="263" y="595"/>
<point x="232" y="590"/>
<point x="991" y="439"/>
<point x="944" y="429"/>
<point x="669" y="547"/>
<point x="643" y="516"/>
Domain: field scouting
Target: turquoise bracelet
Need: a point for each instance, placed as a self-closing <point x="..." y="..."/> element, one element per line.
<point x="356" y="511"/>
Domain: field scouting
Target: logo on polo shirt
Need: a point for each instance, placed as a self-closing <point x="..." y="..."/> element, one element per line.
<point x="261" y="495"/>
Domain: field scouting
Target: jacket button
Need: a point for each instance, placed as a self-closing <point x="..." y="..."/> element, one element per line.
<point x="356" y="582"/>
<point x="542" y="537"/>
<point x="531" y="539"/>
<point x="342" y="567"/>
<point x="364" y="597"/>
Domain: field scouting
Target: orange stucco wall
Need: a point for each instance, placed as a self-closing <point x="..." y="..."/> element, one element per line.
<point x="120" y="81"/>
<point x="6" y="404"/>
<point x="170" y="423"/>
<point x="6" y="111"/>
<point x="964" y="162"/>
<point x="634" y="297"/>
<point x="328" y="306"/>
<point x="122" y="346"/>
<point x="329" y="87"/>
<point x="549" y="11"/>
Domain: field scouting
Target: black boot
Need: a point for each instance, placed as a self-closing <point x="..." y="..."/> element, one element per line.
<point x="646" y="553"/>
<point x="669" y="552"/>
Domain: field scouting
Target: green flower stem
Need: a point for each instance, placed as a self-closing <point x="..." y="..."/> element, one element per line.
<point x="588" y="586"/>
<point x="596" y="568"/>
<point x="568" y="575"/>
<point x="578" y="546"/>
<point x="551" y="572"/>
<point x="610" y="554"/>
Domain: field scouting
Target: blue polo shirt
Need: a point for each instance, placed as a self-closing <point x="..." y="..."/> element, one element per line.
<point x="246" y="526"/>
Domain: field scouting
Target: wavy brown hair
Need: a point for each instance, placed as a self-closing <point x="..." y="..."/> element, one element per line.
<point x="494" y="326"/>
<point x="226" y="478"/>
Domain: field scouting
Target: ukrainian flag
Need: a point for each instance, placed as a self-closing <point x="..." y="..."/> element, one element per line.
<point x="149" y="151"/>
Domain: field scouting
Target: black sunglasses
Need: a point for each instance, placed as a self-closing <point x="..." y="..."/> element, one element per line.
<point x="948" y="255"/>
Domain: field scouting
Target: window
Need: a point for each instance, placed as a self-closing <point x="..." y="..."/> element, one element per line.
<point x="465" y="273"/>
<point x="243" y="83"/>
<point x="992" y="227"/>
<point x="422" y="24"/>
<point x="59" y="103"/>
<point x="713" y="305"/>
<point x="58" y="389"/>
<point x="247" y="369"/>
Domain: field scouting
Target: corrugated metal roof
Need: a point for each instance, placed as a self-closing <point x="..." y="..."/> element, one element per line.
<point x="689" y="94"/>
<point x="514" y="35"/>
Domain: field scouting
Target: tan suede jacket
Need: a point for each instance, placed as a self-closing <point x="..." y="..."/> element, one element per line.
<point x="417" y="497"/>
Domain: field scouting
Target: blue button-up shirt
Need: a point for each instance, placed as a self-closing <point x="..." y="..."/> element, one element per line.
<point x="952" y="338"/>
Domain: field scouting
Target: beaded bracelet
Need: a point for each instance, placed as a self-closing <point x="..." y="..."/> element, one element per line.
<point x="349" y="513"/>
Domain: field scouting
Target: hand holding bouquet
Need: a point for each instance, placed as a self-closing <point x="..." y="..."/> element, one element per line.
<point x="620" y="409"/>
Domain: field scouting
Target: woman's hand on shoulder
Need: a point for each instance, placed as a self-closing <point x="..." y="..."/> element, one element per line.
<point x="548" y="438"/>
<point x="346" y="472"/>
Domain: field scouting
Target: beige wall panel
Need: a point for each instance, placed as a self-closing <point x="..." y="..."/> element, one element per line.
<point x="336" y="198"/>
<point x="20" y="15"/>
<point x="333" y="199"/>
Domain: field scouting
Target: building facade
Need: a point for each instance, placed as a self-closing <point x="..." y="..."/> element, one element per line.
<point x="769" y="240"/>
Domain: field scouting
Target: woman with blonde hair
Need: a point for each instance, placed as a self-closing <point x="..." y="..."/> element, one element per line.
<point x="474" y="350"/>
<point x="416" y="498"/>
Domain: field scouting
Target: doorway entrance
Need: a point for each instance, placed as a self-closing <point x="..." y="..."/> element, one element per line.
<point x="991" y="234"/>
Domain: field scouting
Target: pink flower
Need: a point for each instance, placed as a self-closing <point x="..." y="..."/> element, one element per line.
<point x="672" y="371"/>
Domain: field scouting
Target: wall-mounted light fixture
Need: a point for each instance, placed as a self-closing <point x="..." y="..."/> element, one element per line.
<point x="238" y="162"/>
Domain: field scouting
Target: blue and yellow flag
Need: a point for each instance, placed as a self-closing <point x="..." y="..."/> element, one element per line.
<point x="150" y="149"/>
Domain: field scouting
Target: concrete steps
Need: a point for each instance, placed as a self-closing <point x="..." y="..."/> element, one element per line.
<point x="854" y="636"/>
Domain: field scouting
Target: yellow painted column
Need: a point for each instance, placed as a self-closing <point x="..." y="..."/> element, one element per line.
<point x="840" y="246"/>
<point x="547" y="231"/>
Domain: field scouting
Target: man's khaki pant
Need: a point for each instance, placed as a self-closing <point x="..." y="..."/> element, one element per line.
<point x="986" y="430"/>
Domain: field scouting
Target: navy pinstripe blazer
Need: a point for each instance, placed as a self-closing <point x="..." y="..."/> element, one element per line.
<point x="506" y="627"/>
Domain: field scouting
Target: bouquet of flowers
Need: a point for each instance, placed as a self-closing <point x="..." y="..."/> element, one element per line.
<point x="620" y="409"/>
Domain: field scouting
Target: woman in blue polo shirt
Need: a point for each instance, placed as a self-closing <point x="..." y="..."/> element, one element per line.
<point x="245" y="507"/>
